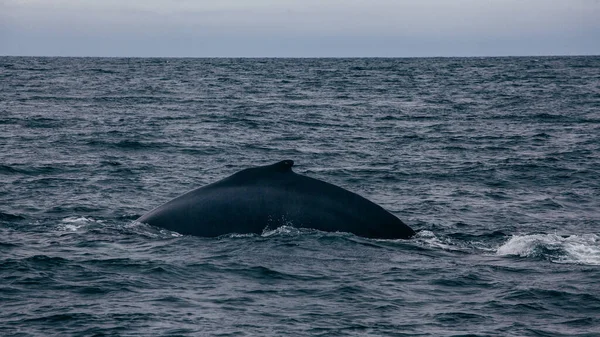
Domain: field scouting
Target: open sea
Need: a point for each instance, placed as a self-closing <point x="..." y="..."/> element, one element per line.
<point x="494" y="161"/>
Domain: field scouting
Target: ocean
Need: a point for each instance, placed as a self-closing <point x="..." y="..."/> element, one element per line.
<point x="495" y="162"/>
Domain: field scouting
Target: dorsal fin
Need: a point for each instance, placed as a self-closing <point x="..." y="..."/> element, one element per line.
<point x="259" y="172"/>
<point x="283" y="166"/>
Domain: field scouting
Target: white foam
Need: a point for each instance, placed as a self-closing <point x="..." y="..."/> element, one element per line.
<point x="283" y="230"/>
<point x="147" y="230"/>
<point x="238" y="236"/>
<point x="73" y="224"/>
<point x="74" y="219"/>
<point x="580" y="249"/>
<point x="431" y="240"/>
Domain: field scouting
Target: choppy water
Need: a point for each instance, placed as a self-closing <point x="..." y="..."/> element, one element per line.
<point x="495" y="161"/>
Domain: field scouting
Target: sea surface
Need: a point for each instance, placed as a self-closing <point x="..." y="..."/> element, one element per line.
<point x="494" y="161"/>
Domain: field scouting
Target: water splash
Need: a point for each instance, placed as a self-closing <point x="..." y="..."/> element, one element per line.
<point x="578" y="249"/>
<point x="428" y="238"/>
<point x="73" y="224"/>
<point x="282" y="230"/>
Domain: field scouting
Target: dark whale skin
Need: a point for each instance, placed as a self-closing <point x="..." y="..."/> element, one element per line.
<point x="270" y="196"/>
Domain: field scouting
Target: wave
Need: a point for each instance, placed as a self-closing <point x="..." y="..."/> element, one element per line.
<point x="10" y="217"/>
<point x="577" y="249"/>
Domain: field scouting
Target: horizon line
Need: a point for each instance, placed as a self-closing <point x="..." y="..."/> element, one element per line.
<point x="305" y="57"/>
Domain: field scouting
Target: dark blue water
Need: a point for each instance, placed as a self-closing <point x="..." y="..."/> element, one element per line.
<point x="495" y="161"/>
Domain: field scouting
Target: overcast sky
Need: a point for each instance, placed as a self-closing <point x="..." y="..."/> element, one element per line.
<point x="299" y="28"/>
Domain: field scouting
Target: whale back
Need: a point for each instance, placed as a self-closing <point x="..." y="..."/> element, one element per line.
<point x="270" y="196"/>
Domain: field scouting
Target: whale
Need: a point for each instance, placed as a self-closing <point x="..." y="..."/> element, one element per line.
<point x="267" y="197"/>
